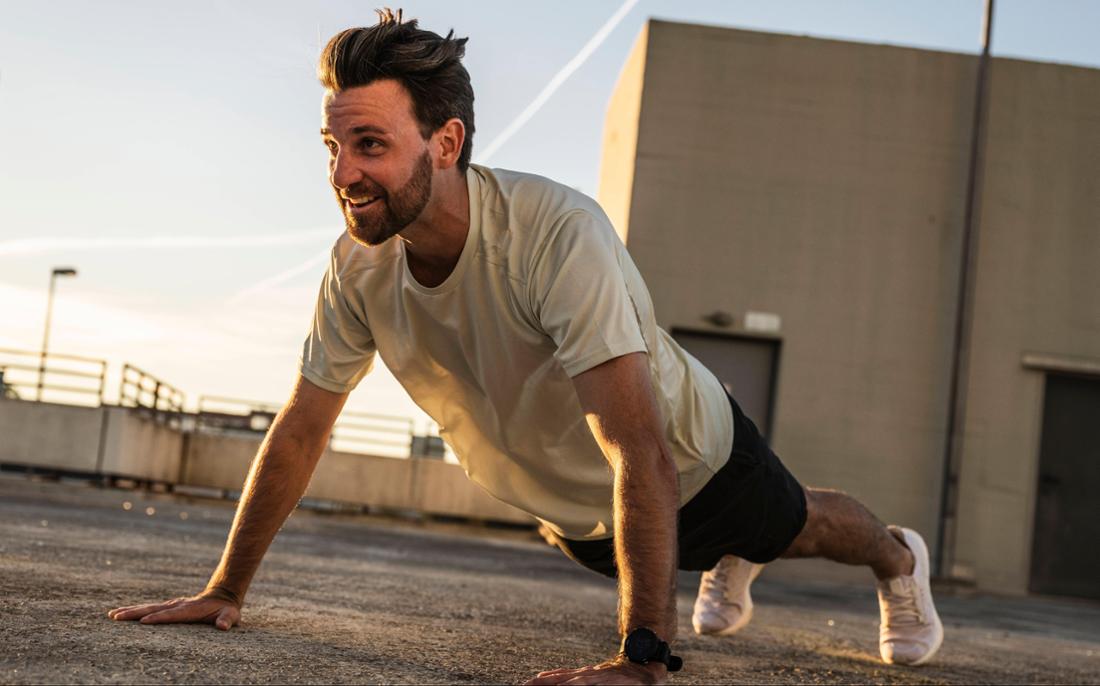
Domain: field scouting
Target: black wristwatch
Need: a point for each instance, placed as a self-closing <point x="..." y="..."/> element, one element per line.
<point x="642" y="646"/>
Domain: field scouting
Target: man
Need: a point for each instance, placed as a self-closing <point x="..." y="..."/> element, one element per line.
<point x="512" y="314"/>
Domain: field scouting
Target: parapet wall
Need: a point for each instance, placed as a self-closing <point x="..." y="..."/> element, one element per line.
<point x="51" y="436"/>
<point x="125" y="443"/>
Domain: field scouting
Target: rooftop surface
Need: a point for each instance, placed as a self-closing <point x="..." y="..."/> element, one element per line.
<point x="355" y="598"/>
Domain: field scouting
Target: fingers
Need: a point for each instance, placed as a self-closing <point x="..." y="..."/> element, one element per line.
<point x="605" y="673"/>
<point x="553" y="676"/>
<point x="138" y="611"/>
<point x="562" y="670"/>
<point x="182" y="610"/>
<point x="187" y="612"/>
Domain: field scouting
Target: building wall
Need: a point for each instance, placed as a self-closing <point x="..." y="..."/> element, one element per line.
<point x="620" y="138"/>
<point x="825" y="182"/>
<point x="1037" y="290"/>
<point x="816" y="180"/>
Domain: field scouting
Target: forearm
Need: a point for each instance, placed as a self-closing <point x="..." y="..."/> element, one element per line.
<point x="276" y="481"/>
<point x="646" y="503"/>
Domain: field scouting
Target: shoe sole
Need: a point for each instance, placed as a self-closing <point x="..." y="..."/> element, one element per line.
<point x="731" y="630"/>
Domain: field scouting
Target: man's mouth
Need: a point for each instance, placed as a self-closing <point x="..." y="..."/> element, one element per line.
<point x="360" y="202"/>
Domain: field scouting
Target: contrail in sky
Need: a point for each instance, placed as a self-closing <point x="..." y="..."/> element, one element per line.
<point x="551" y="87"/>
<point x="279" y="279"/>
<point x="32" y="246"/>
<point x="557" y="81"/>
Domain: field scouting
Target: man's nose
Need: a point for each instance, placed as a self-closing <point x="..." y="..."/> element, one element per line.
<point x="344" y="173"/>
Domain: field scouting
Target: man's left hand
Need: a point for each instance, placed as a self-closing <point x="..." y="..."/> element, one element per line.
<point x="617" y="670"/>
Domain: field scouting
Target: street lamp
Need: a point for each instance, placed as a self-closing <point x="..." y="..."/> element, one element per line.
<point x="58" y="271"/>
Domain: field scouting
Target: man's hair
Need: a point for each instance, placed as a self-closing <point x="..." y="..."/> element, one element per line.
<point x="428" y="65"/>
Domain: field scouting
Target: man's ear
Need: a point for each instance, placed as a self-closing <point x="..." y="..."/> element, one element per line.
<point x="448" y="141"/>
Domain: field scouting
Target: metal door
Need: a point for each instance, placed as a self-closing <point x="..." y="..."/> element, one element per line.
<point x="1065" y="553"/>
<point x="745" y="366"/>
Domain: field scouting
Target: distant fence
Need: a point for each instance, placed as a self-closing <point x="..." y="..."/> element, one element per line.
<point x="70" y="379"/>
<point x="357" y="432"/>
<point x="141" y="389"/>
<point x="75" y="380"/>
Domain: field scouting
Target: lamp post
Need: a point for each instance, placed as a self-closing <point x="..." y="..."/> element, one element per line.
<point x="58" y="271"/>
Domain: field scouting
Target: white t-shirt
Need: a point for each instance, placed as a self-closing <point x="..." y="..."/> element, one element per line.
<point x="544" y="290"/>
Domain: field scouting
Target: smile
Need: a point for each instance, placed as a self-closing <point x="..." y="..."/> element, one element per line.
<point x="360" y="202"/>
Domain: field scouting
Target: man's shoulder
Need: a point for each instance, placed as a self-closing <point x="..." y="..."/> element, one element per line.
<point x="526" y="201"/>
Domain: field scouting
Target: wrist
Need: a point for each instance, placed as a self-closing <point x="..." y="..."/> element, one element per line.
<point x="224" y="594"/>
<point x="644" y="648"/>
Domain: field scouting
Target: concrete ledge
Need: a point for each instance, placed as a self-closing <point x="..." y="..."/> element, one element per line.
<point x="125" y="443"/>
<point x="221" y="461"/>
<point x="140" y="447"/>
<point x="61" y="437"/>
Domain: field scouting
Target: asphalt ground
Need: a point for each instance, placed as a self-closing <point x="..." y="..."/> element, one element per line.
<point x="364" y="599"/>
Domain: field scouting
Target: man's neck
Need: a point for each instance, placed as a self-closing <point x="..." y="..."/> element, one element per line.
<point x="434" y="242"/>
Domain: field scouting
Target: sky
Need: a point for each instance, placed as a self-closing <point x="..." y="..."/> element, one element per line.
<point x="170" y="152"/>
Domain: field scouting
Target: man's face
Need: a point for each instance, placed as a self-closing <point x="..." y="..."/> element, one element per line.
<point x="379" y="164"/>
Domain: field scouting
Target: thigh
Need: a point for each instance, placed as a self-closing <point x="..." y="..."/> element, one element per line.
<point x="752" y="508"/>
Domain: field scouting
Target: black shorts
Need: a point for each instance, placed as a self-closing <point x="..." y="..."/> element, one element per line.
<point x="752" y="508"/>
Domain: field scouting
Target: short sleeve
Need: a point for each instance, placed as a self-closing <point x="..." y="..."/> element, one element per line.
<point x="339" y="350"/>
<point x="580" y="295"/>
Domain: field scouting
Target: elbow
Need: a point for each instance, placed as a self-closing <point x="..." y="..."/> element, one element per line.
<point x="652" y="461"/>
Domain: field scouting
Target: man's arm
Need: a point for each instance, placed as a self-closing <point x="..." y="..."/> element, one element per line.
<point x="276" y="481"/>
<point x="618" y="401"/>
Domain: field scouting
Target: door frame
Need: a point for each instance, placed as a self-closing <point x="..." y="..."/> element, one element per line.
<point x="1048" y="371"/>
<point x="776" y="344"/>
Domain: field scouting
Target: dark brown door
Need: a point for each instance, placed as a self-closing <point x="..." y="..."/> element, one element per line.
<point x="745" y="366"/>
<point x="1065" y="554"/>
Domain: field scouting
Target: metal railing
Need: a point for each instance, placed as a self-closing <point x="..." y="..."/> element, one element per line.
<point x="220" y="412"/>
<point x="357" y="432"/>
<point x="73" y="379"/>
<point x="367" y="432"/>
<point x="138" y="388"/>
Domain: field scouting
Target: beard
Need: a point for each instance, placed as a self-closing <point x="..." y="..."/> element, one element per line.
<point x="395" y="210"/>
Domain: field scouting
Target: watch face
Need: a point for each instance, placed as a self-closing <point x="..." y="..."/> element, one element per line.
<point x="640" y="645"/>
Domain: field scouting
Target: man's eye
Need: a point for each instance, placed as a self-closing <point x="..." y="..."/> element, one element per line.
<point x="331" y="145"/>
<point x="369" y="144"/>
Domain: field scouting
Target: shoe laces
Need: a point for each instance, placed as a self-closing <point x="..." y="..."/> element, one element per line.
<point x="716" y="581"/>
<point x="902" y="606"/>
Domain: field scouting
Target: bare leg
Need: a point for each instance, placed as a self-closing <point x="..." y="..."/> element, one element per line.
<point x="839" y="528"/>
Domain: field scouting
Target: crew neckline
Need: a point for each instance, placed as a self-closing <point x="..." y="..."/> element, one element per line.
<point x="473" y="187"/>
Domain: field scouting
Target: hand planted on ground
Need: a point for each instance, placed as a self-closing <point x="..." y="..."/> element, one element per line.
<point x="222" y="613"/>
<point x="617" y="670"/>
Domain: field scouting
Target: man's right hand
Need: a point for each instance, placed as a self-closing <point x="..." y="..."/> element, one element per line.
<point x="207" y="609"/>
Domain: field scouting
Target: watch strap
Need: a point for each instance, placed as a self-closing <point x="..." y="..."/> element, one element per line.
<point x="661" y="652"/>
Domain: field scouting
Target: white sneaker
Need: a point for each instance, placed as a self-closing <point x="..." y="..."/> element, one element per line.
<point x="724" y="606"/>
<point x="911" y="631"/>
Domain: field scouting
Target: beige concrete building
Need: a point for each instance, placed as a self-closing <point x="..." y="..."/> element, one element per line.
<point x="797" y="207"/>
